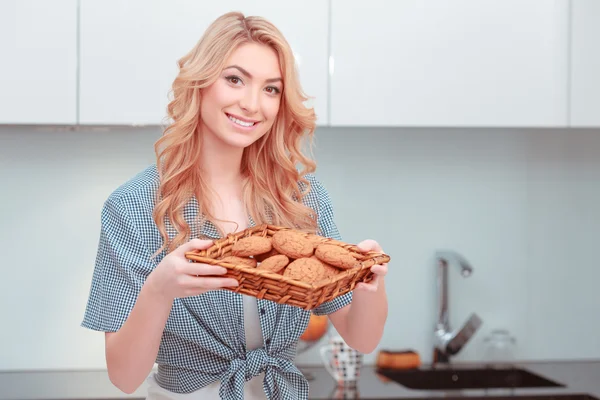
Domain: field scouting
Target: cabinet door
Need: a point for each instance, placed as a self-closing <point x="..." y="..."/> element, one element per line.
<point x="585" y="63"/>
<point x="130" y="50"/>
<point x="38" y="73"/>
<point x="449" y="63"/>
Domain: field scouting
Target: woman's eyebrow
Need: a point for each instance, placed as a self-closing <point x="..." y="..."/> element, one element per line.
<point x="249" y="75"/>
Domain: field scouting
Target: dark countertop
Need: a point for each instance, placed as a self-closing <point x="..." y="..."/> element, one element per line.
<point x="579" y="377"/>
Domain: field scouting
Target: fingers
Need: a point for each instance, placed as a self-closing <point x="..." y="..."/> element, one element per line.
<point x="209" y="283"/>
<point x="194" y="244"/>
<point x="380" y="269"/>
<point x="199" y="269"/>
<point x="369" y="245"/>
<point x="366" y="287"/>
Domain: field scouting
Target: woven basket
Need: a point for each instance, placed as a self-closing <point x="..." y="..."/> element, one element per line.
<point x="275" y="287"/>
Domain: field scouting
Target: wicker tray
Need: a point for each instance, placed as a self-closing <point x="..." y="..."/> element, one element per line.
<point x="281" y="289"/>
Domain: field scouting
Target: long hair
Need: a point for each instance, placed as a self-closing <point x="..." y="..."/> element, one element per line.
<point x="270" y="166"/>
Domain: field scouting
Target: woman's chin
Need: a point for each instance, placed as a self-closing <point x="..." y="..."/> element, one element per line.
<point x="239" y="143"/>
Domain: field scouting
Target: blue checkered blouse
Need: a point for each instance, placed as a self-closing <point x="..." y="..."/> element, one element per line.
<point x="201" y="343"/>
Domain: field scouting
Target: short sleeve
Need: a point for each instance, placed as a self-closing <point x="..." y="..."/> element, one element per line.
<point x="328" y="228"/>
<point x="122" y="264"/>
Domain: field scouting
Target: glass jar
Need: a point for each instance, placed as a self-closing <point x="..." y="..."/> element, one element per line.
<point x="499" y="349"/>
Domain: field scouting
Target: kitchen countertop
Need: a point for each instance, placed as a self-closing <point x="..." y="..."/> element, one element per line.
<point x="579" y="377"/>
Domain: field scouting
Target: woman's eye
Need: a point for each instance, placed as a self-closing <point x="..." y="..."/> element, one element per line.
<point x="234" y="79"/>
<point x="273" y="90"/>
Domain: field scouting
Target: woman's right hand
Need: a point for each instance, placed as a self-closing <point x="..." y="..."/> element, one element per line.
<point x="175" y="276"/>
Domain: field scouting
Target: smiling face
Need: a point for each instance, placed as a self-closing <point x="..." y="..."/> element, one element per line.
<point x="242" y="104"/>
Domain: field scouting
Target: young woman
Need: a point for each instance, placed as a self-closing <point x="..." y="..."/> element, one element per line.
<point x="228" y="160"/>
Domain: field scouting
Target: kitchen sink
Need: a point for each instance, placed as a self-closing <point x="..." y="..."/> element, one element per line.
<point x="466" y="378"/>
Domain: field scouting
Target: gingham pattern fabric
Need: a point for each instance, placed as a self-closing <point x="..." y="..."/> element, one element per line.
<point x="203" y="340"/>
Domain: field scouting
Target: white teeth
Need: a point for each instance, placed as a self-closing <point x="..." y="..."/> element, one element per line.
<point x="240" y="122"/>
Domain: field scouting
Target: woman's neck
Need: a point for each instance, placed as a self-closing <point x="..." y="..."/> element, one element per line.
<point x="221" y="168"/>
<point x="220" y="163"/>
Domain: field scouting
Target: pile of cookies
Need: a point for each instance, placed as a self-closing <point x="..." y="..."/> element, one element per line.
<point x="306" y="258"/>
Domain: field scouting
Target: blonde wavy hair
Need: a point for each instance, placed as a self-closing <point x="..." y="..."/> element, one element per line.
<point x="271" y="195"/>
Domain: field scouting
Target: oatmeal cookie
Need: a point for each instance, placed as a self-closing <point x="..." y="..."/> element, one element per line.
<point x="250" y="262"/>
<point x="275" y="263"/>
<point x="262" y="257"/>
<point x="335" y="255"/>
<point x="292" y="244"/>
<point x="251" y="245"/>
<point x="328" y="269"/>
<point x="316" y="240"/>
<point x="306" y="270"/>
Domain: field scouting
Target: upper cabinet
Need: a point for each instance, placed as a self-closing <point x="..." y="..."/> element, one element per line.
<point x="130" y="49"/>
<point x="585" y="63"/>
<point x="459" y="63"/>
<point x="450" y="63"/>
<point x="38" y="73"/>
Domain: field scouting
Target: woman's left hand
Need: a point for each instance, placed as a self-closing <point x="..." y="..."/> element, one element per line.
<point x="380" y="270"/>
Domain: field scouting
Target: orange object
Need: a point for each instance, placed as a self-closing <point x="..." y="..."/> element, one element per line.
<point x="316" y="329"/>
<point x="403" y="359"/>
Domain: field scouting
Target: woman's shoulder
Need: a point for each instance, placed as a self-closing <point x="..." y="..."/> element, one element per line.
<point x="138" y="191"/>
<point x="316" y="188"/>
<point x="318" y="199"/>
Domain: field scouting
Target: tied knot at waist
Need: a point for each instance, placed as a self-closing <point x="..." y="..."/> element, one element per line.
<point x="256" y="362"/>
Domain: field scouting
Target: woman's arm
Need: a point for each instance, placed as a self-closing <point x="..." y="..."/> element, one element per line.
<point x="361" y="323"/>
<point x="131" y="351"/>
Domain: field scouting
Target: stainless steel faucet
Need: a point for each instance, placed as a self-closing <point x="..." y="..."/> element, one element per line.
<point x="446" y="342"/>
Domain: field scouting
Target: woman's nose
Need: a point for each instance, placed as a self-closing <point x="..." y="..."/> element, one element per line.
<point x="250" y="101"/>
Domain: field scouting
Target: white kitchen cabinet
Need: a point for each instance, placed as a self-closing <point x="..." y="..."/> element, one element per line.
<point x="585" y="63"/>
<point x="38" y="72"/>
<point x="129" y="51"/>
<point x="449" y="63"/>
